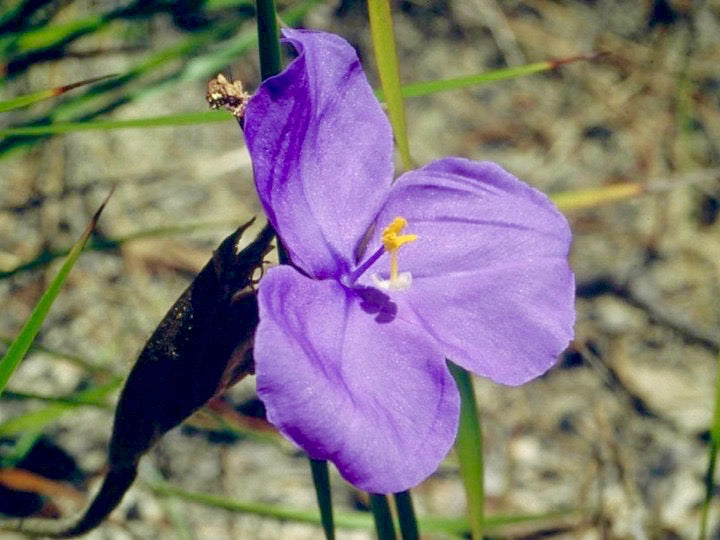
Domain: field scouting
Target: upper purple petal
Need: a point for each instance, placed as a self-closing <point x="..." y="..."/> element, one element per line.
<point x="348" y="381"/>
<point x="491" y="278"/>
<point x="322" y="153"/>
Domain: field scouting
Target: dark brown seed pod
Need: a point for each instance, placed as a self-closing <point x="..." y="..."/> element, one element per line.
<point x="201" y="346"/>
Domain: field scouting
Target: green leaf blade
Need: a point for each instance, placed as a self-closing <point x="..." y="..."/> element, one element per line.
<point x="17" y="350"/>
<point x="469" y="448"/>
<point x="170" y="120"/>
<point x="449" y="526"/>
<point x="29" y="99"/>
<point x="36" y="420"/>
<point x="712" y="458"/>
<point x="580" y="199"/>
<point x="443" y="85"/>
<point x="383" y="37"/>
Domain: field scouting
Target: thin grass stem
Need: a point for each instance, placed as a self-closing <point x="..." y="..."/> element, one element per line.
<point x="383" y="37"/>
<point x="444" y="526"/>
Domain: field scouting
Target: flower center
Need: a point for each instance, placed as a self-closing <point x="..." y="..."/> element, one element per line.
<point x="392" y="242"/>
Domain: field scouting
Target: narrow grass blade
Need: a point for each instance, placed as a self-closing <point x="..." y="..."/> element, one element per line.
<point x="469" y="450"/>
<point x="712" y="457"/>
<point x="217" y="5"/>
<point x="72" y="400"/>
<point x="589" y="198"/>
<point x="501" y="525"/>
<point x="321" y="481"/>
<point x="105" y="244"/>
<point x="46" y="36"/>
<point x="199" y="117"/>
<point x="89" y="367"/>
<point x="49" y="39"/>
<point x="178" y="518"/>
<point x="383" y="37"/>
<point x="22" y="343"/>
<point x="406" y="516"/>
<point x="37" y="420"/>
<point x="433" y="87"/>
<point x="29" y="426"/>
<point x="29" y="99"/>
<point x="350" y="520"/>
<point x="355" y="520"/>
<point x="170" y="120"/>
<point x="203" y="64"/>
<point x="106" y="96"/>
<point x="174" y="509"/>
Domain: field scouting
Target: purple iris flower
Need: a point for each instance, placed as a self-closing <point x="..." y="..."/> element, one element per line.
<point x="457" y="259"/>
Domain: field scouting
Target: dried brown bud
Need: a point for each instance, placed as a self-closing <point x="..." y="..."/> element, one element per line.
<point x="223" y="94"/>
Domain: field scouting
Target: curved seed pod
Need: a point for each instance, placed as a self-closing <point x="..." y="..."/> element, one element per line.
<point x="202" y="345"/>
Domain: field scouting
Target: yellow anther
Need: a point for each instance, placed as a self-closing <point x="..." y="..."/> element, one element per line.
<point x="390" y="237"/>
<point x="392" y="241"/>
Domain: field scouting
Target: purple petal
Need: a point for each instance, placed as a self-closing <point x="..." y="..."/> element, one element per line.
<point x="348" y="381"/>
<point x="491" y="279"/>
<point x="322" y="152"/>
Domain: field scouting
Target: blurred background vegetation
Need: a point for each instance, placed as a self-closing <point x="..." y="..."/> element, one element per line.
<point x="612" y="444"/>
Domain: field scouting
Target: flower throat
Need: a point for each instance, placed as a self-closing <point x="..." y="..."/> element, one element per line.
<point x="392" y="242"/>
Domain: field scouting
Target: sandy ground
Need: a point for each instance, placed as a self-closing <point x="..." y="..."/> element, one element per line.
<point x="617" y="431"/>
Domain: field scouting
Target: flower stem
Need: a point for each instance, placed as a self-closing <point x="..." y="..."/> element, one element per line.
<point x="268" y="38"/>
<point x="269" y="45"/>
<point x="270" y="64"/>
<point x="321" y="480"/>
<point x="469" y="450"/>
<point x="712" y="457"/>
<point x="406" y="515"/>
<point x="383" y="518"/>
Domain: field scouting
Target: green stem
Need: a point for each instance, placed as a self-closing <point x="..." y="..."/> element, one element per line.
<point x="383" y="518"/>
<point x="712" y="457"/>
<point x="469" y="450"/>
<point x="321" y="481"/>
<point x="269" y="44"/>
<point x="406" y="515"/>
<point x="268" y="38"/>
